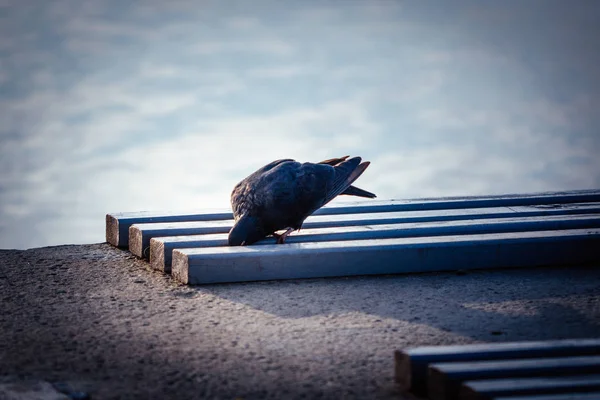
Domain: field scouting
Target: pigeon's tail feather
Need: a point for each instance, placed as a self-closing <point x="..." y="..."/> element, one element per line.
<point x="351" y="190"/>
<point x="334" y="161"/>
<point x="345" y="174"/>
<point x="354" y="191"/>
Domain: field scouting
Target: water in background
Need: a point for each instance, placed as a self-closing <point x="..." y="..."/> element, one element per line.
<point x="159" y="105"/>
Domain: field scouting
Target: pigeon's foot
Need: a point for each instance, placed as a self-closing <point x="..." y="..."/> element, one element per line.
<point x="281" y="238"/>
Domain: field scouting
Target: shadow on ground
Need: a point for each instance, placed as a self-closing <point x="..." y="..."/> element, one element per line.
<point x="546" y="303"/>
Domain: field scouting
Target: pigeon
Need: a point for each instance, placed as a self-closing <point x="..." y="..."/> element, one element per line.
<point x="283" y="193"/>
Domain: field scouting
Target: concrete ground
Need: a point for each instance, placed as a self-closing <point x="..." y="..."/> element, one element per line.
<point x="97" y="319"/>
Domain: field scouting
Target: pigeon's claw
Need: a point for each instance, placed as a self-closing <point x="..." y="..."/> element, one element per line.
<point x="281" y="237"/>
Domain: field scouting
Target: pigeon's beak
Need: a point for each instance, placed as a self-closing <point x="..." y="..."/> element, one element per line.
<point x="243" y="243"/>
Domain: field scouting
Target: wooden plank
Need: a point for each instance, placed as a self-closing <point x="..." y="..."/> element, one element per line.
<point x="411" y="364"/>
<point x="385" y="256"/>
<point x="140" y="234"/>
<point x="161" y="248"/>
<point x="117" y="224"/>
<point x="562" y="396"/>
<point x="445" y="378"/>
<point x="488" y="389"/>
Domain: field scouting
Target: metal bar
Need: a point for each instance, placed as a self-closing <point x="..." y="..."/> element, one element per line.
<point x="385" y="256"/>
<point x="161" y="248"/>
<point x="445" y="378"/>
<point x="117" y="224"/>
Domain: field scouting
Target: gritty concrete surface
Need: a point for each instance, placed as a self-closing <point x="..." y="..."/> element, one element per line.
<point x="95" y="318"/>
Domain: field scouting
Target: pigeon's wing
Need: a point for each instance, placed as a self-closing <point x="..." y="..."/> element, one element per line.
<point x="278" y="196"/>
<point x="318" y="184"/>
<point x="270" y="166"/>
<point x="351" y="190"/>
<point x="244" y="197"/>
<point x="334" y="161"/>
<point x="345" y="173"/>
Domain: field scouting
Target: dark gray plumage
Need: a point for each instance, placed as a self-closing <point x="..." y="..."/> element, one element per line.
<point x="282" y="194"/>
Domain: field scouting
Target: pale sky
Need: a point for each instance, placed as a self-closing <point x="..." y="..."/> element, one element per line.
<point x="165" y="105"/>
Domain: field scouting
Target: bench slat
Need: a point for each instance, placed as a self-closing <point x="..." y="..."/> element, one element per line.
<point x="117" y="224"/>
<point x="140" y="234"/>
<point x="161" y="247"/>
<point x="562" y="396"/>
<point x="488" y="389"/>
<point x="384" y="256"/>
<point x="411" y="364"/>
<point x="445" y="378"/>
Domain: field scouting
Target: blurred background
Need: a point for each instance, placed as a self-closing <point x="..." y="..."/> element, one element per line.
<point x="110" y="106"/>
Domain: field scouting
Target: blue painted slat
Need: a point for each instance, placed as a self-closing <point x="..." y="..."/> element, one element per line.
<point x="384" y="256"/>
<point x="337" y="220"/>
<point x="117" y="224"/>
<point x="467" y="202"/>
<point x="488" y="389"/>
<point x="162" y="247"/>
<point x="140" y="234"/>
<point x="562" y="396"/>
<point x="411" y="364"/>
<point x="445" y="378"/>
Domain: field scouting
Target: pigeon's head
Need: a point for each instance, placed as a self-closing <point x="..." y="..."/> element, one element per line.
<point x="246" y="230"/>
